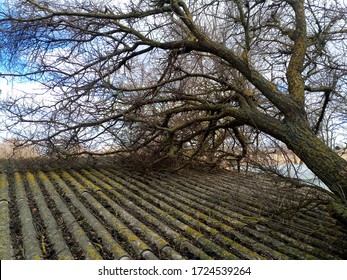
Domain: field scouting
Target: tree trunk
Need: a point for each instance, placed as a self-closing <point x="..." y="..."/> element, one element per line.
<point x="319" y="158"/>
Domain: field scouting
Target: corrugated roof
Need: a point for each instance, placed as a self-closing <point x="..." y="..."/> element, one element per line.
<point x="111" y="213"/>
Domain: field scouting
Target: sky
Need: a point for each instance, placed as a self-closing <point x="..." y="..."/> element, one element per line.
<point x="9" y="88"/>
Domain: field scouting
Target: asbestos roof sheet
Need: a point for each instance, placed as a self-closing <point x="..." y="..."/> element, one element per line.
<point x="112" y="213"/>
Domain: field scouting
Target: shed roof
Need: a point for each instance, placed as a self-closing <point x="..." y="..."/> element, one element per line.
<point x="113" y="213"/>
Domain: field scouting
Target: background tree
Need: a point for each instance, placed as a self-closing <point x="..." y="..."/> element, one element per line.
<point x="177" y="76"/>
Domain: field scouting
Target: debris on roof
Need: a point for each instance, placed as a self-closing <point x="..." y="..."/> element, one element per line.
<point x="112" y="213"/>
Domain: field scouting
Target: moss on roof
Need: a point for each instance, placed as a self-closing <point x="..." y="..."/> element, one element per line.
<point x="114" y="213"/>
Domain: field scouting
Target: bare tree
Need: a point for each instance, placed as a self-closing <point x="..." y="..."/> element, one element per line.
<point x="179" y="76"/>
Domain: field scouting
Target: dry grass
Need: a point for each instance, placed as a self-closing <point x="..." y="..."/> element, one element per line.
<point x="343" y="154"/>
<point x="9" y="150"/>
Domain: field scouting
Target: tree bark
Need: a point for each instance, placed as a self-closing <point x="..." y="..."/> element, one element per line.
<point x="319" y="158"/>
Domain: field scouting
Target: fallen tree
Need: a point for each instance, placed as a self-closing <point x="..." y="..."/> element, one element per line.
<point x="177" y="76"/>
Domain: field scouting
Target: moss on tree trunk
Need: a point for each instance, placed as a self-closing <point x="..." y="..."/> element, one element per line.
<point x="319" y="158"/>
